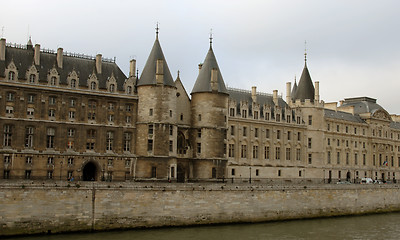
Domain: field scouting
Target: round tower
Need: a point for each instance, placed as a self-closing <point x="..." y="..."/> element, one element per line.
<point x="209" y="109"/>
<point x="156" y="118"/>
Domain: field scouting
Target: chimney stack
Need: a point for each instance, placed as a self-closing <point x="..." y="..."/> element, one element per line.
<point x="60" y="57"/>
<point x="132" y="68"/>
<point x="37" y="54"/>
<point x="98" y="63"/>
<point x="288" y="92"/>
<point x="2" y="49"/>
<point x="254" y="93"/>
<point x="275" y="97"/>
<point x="316" y="91"/>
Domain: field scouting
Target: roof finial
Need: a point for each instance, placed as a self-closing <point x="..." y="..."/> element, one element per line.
<point x="305" y="51"/>
<point x="157" y="30"/>
<point x="178" y="73"/>
<point x="211" y="37"/>
<point x="137" y="73"/>
<point x="295" y="78"/>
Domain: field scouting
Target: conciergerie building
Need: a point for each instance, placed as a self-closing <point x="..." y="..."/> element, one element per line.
<point x="66" y="115"/>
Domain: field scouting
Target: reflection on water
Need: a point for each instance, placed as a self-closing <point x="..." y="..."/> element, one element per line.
<point x="379" y="226"/>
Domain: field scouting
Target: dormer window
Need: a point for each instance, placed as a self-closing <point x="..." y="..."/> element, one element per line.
<point x="11" y="76"/>
<point x="53" y="81"/>
<point x="93" y="86"/>
<point x="244" y="113"/>
<point x="112" y="88"/>
<point x="32" y="78"/>
<point x="129" y="90"/>
<point x="73" y="83"/>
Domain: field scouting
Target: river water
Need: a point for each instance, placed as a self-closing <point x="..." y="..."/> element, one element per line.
<point x="377" y="226"/>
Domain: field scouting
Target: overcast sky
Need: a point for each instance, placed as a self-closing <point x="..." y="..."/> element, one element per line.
<point x="353" y="46"/>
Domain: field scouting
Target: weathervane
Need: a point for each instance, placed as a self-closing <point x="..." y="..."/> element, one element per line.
<point x="305" y="51"/>
<point x="157" y="29"/>
<point x="211" y="37"/>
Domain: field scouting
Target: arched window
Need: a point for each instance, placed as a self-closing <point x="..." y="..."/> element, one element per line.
<point x="93" y="86"/>
<point x="112" y="87"/>
<point x="32" y="78"/>
<point x="11" y="75"/>
<point x="73" y="83"/>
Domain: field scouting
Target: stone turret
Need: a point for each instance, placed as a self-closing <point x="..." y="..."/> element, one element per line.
<point x="156" y="119"/>
<point x="209" y="108"/>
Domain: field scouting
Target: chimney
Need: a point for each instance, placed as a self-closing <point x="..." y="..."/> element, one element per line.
<point x="160" y="71"/>
<point x="60" y="57"/>
<point x="98" y="63"/>
<point x="214" y="79"/>
<point x="275" y="97"/>
<point x="132" y="68"/>
<point x="2" y="49"/>
<point x="254" y="93"/>
<point x="200" y="66"/>
<point x="288" y="92"/>
<point x="316" y="91"/>
<point x="37" y="54"/>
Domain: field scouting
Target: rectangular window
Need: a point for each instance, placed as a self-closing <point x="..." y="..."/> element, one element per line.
<point x="127" y="141"/>
<point x="244" y="131"/>
<point x="298" y="154"/>
<point x="71" y="114"/>
<point x="255" y="113"/>
<point x="71" y="132"/>
<point x="267" y="133"/>
<point x="198" y="147"/>
<point x="329" y="157"/>
<point x="244" y="113"/>
<point x="309" y="158"/>
<point x="9" y="109"/>
<point x="29" y="160"/>
<point x="231" y="150"/>
<point x="214" y="172"/>
<point x="28" y="174"/>
<point x="50" y="161"/>
<point x="52" y="100"/>
<point x="232" y="130"/>
<point x="364" y="159"/>
<point x="309" y="142"/>
<point x="266" y="152"/>
<point x="171" y="145"/>
<point x="338" y="158"/>
<point x="52" y="112"/>
<point x="109" y="140"/>
<point x="154" y="172"/>
<point x="289" y="135"/>
<point x="199" y="133"/>
<point x="278" y="153"/>
<point x="171" y="130"/>
<point x="257" y="172"/>
<point x="233" y="172"/>
<point x="150" y="145"/>
<point x="278" y="134"/>
<point x="29" y="137"/>
<point x="287" y="153"/>
<point x="256" y="132"/>
<point x="243" y="151"/>
<point x="90" y="139"/>
<point x="49" y="174"/>
<point x="288" y="118"/>
<point x="150" y="131"/>
<point x="278" y="117"/>
<point x="267" y="116"/>
<point x="299" y="136"/>
<point x="30" y="112"/>
<point x="329" y="141"/>
<point x="255" y="152"/>
<point x="128" y="107"/>
<point x="355" y="158"/>
<point x="50" y="137"/>
<point x="7" y="159"/>
<point x="70" y="161"/>
<point x="128" y="119"/>
<point x="232" y="112"/>
<point x="150" y="112"/>
<point x="309" y="119"/>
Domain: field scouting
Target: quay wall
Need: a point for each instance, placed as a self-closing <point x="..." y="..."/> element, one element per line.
<point x="50" y="208"/>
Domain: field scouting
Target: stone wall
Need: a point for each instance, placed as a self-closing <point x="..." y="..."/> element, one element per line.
<point x="27" y="208"/>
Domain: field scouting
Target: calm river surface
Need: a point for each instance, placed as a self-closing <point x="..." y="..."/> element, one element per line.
<point x="379" y="226"/>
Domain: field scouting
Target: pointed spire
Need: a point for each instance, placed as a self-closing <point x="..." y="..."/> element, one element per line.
<point x="156" y="69"/>
<point x="305" y="89"/>
<point x="294" y="89"/>
<point x="305" y="53"/>
<point x="210" y="77"/>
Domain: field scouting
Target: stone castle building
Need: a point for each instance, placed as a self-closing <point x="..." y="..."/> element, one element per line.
<point x="65" y="115"/>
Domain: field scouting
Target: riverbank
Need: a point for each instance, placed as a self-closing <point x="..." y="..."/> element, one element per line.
<point x="43" y="207"/>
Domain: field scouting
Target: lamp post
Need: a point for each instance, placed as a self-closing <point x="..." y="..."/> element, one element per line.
<point x="250" y="175"/>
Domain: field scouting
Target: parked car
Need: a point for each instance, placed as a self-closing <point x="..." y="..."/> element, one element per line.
<point x="366" y="181"/>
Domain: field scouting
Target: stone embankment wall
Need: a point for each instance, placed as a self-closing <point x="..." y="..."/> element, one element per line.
<point x="29" y="208"/>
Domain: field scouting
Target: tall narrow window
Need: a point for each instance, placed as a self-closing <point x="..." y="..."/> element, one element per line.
<point x="29" y="137"/>
<point x="90" y="139"/>
<point x="32" y="78"/>
<point x="73" y="83"/>
<point x="50" y="137"/>
<point x="7" y="135"/>
<point x="109" y="140"/>
<point x="309" y="119"/>
<point x="231" y="150"/>
<point x="127" y="141"/>
<point x="11" y="75"/>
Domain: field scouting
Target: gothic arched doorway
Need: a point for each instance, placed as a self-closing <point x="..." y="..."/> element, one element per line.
<point x="89" y="172"/>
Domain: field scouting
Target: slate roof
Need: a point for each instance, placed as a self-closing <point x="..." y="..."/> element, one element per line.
<point x="305" y="89"/>
<point x="242" y="95"/>
<point x="148" y="76"/>
<point x="395" y="125"/>
<point x="362" y="104"/>
<point x="24" y="58"/>
<point x="294" y="89"/>
<point x="328" y="113"/>
<point x="203" y="81"/>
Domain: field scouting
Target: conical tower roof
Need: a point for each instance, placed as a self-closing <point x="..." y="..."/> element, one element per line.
<point x="148" y="76"/>
<point x="305" y="89"/>
<point x="203" y="81"/>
